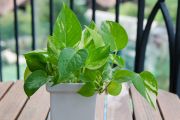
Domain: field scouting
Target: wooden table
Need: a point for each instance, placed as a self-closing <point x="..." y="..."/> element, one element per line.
<point x="129" y="105"/>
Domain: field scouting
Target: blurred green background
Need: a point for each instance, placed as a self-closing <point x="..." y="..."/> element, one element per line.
<point x="156" y="62"/>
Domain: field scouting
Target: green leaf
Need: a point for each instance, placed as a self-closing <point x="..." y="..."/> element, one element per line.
<point x="53" y="53"/>
<point x="89" y="75"/>
<point x="70" y="61"/>
<point x="114" y="35"/>
<point x="97" y="57"/>
<point x="125" y="75"/>
<point x="150" y="81"/>
<point x="36" y="60"/>
<point x="34" y="82"/>
<point x="122" y="75"/>
<point x="107" y="72"/>
<point x="151" y="87"/>
<point x="97" y="39"/>
<point x="86" y="36"/>
<point x="114" y="88"/>
<point x="27" y="72"/>
<point x="118" y="60"/>
<point x="87" y="89"/>
<point x="67" y="29"/>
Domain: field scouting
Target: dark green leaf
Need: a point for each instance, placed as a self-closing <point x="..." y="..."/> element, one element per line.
<point x="34" y="82"/>
<point x="67" y="29"/>
<point x="87" y="90"/>
<point x="70" y="61"/>
<point x="36" y="60"/>
<point x="114" y="35"/>
<point x="114" y="88"/>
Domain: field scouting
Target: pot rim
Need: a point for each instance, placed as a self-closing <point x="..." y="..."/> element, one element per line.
<point x="64" y="87"/>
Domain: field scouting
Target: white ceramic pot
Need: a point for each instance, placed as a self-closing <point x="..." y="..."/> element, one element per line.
<point x="67" y="104"/>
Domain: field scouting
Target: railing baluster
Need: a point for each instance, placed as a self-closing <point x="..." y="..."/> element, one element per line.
<point x="1" y="78"/>
<point x="141" y="7"/>
<point x="16" y="37"/>
<point x="177" y="54"/>
<point x="51" y="16"/>
<point x="171" y="38"/>
<point x="142" y="38"/>
<point x="94" y="10"/>
<point x="117" y="17"/>
<point x="117" y="11"/>
<point x="140" y="53"/>
<point x="33" y="25"/>
<point x="72" y="4"/>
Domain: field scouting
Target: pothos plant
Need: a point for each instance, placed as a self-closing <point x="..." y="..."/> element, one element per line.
<point x="88" y="56"/>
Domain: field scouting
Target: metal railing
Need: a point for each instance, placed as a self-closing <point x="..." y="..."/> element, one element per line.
<point x="142" y="35"/>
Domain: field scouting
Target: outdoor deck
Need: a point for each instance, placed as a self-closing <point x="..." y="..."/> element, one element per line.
<point x="129" y="105"/>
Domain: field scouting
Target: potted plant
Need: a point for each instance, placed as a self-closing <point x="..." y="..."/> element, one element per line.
<point x="78" y="64"/>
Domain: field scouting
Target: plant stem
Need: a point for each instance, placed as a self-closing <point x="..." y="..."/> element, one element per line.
<point x="105" y="87"/>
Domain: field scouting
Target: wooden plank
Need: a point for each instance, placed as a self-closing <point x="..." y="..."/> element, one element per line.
<point x="142" y="109"/>
<point x="120" y="107"/>
<point x="13" y="102"/>
<point x="48" y="117"/>
<point x="37" y="107"/>
<point x="100" y="107"/>
<point x="169" y="105"/>
<point x="4" y="87"/>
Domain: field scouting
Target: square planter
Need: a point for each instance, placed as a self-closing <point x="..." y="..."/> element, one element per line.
<point x="67" y="104"/>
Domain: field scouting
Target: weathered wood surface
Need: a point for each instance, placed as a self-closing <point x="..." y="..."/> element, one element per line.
<point x="142" y="110"/>
<point x="39" y="104"/>
<point x="100" y="102"/>
<point x="120" y="107"/>
<point x="12" y="103"/>
<point x="4" y="88"/>
<point x="169" y="105"/>
<point x="129" y="105"/>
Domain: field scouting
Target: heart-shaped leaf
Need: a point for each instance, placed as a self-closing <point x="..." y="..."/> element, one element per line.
<point x="67" y="29"/>
<point x="114" y="35"/>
